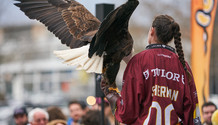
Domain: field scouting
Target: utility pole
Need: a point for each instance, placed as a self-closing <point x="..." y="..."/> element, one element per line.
<point x="102" y="10"/>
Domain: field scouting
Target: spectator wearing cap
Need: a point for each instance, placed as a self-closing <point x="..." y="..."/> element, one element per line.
<point x="38" y="116"/>
<point x="20" y="116"/>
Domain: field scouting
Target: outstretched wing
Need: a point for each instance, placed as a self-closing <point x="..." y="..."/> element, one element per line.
<point x="113" y="34"/>
<point x="114" y="40"/>
<point x="70" y="21"/>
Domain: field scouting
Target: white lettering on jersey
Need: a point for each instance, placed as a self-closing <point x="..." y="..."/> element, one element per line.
<point x="161" y="114"/>
<point x="169" y="75"/>
<point x="176" y="77"/>
<point x="156" y="72"/>
<point x="146" y="74"/>
<point x="183" y="79"/>
<point x="164" y="74"/>
<point x="164" y="91"/>
<point x="167" y="56"/>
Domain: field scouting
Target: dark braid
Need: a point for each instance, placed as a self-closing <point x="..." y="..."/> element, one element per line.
<point x="178" y="45"/>
<point x="167" y="29"/>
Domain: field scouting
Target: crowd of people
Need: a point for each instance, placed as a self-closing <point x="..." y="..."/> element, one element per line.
<point x="79" y="114"/>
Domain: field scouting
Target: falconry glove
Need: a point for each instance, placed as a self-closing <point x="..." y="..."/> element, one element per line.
<point x="111" y="95"/>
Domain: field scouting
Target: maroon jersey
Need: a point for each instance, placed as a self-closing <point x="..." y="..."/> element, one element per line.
<point x="156" y="90"/>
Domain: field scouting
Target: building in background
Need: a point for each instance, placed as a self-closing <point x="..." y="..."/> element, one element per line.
<point x="31" y="72"/>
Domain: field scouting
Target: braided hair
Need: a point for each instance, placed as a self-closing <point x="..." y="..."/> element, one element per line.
<point x="167" y="29"/>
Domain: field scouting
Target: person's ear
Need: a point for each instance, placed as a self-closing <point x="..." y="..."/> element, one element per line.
<point x="152" y="31"/>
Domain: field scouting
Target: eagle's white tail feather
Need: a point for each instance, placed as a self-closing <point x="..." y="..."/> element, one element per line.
<point x="79" y="57"/>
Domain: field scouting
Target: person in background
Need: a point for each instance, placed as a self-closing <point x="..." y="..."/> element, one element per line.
<point x="20" y="116"/>
<point x="107" y="110"/>
<point x="93" y="117"/>
<point x="76" y="113"/>
<point x="108" y="113"/>
<point x="38" y="116"/>
<point x="84" y="107"/>
<point x="207" y="110"/>
<point x="56" y="116"/>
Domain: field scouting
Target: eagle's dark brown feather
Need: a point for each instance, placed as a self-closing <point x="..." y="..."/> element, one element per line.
<point x="113" y="31"/>
<point x="114" y="39"/>
<point x="76" y="26"/>
<point x="70" y="21"/>
<point x="82" y="21"/>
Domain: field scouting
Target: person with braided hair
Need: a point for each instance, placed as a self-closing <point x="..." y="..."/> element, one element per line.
<point x="158" y="86"/>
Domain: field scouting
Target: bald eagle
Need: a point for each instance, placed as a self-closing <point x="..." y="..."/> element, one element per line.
<point x="94" y="46"/>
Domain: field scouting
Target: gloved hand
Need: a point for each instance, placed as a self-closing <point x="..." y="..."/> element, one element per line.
<point x="111" y="95"/>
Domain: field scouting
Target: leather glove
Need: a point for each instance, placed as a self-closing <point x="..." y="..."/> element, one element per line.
<point x="111" y="95"/>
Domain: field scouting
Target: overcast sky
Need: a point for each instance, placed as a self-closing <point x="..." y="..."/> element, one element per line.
<point x="10" y="15"/>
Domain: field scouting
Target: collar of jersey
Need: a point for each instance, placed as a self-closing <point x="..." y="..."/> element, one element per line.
<point x="152" y="46"/>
